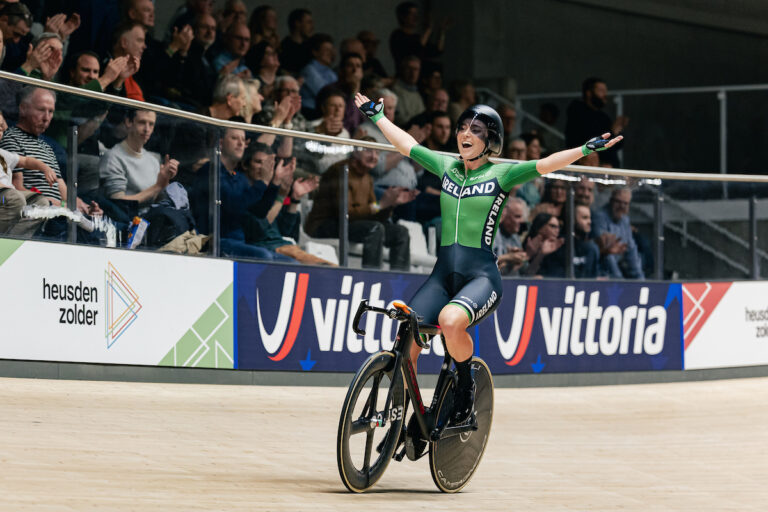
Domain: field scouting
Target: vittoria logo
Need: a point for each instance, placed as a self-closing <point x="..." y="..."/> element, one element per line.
<point x="514" y="345"/>
<point x="279" y="342"/>
<point x="122" y="305"/>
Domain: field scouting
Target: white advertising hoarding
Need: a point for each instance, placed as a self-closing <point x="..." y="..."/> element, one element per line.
<point x="70" y="303"/>
<point x="726" y="324"/>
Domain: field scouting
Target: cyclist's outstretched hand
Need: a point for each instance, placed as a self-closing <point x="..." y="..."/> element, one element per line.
<point x="600" y="143"/>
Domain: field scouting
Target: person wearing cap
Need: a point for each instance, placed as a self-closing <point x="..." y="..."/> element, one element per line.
<point x="465" y="285"/>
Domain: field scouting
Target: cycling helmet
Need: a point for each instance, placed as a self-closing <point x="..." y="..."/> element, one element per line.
<point x="492" y="121"/>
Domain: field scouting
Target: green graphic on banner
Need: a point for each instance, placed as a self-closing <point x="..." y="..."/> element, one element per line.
<point x="210" y="342"/>
<point x="8" y="247"/>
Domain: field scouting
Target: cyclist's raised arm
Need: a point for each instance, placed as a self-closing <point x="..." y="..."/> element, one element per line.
<point x="560" y="159"/>
<point x="399" y="138"/>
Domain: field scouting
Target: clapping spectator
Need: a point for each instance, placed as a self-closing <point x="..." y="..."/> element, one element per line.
<point x="409" y="101"/>
<point x="285" y="87"/>
<point x="317" y="73"/>
<point x="333" y="105"/>
<point x="507" y="246"/>
<point x="543" y="247"/>
<point x="369" y="221"/>
<point x="294" y="50"/>
<point x="613" y="233"/>
<point x="262" y="60"/>
<point x="15" y="22"/>
<point x="130" y="42"/>
<point x="44" y="57"/>
<point x="187" y="13"/>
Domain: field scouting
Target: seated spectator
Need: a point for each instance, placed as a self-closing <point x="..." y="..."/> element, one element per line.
<point x="350" y="78"/>
<point x="613" y="233"/>
<point x="283" y="115"/>
<point x="234" y="11"/>
<point x="584" y="192"/>
<point x="438" y="101"/>
<point x="556" y="194"/>
<point x="13" y="201"/>
<point x="282" y="220"/>
<point x="371" y="64"/>
<point x="187" y="13"/>
<point x="130" y="43"/>
<point x="516" y="149"/>
<point x="317" y="73"/>
<point x="462" y="97"/>
<point x="263" y="62"/>
<point x="15" y="22"/>
<point x="238" y="197"/>
<point x="586" y="254"/>
<point x="507" y="246"/>
<point x="129" y="172"/>
<point x="237" y="42"/>
<point x="197" y="76"/>
<point x="333" y="105"/>
<point x="229" y="98"/>
<point x="531" y="191"/>
<point x="439" y="138"/>
<point x="285" y="87"/>
<point x="409" y="102"/>
<point x="263" y="25"/>
<point x="36" y="108"/>
<point x="294" y="49"/>
<point x="369" y="221"/>
<point x="544" y="247"/>
<point x="46" y="57"/>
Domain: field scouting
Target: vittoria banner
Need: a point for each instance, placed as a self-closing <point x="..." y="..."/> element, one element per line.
<point x="301" y="319"/>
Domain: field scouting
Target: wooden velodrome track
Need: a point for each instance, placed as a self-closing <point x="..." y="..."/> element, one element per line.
<point x="83" y="445"/>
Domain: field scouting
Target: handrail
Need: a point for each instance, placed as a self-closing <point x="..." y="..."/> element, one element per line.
<point x="628" y="173"/>
<point x="649" y="92"/>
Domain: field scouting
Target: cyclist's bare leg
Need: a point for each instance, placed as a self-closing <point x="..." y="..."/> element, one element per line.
<point x="454" y="323"/>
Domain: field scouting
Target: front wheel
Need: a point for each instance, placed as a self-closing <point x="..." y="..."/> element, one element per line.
<point x="364" y="447"/>
<point x="453" y="460"/>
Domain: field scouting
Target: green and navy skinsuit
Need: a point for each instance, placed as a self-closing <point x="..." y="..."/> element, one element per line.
<point x="471" y="202"/>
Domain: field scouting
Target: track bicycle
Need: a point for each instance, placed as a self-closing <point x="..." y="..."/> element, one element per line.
<point x="371" y="425"/>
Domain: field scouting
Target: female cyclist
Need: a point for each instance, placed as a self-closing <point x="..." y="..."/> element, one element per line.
<point x="465" y="285"/>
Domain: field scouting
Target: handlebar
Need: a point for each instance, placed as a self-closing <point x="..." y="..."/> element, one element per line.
<point x="401" y="315"/>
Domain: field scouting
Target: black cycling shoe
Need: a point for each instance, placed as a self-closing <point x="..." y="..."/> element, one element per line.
<point x="463" y="404"/>
<point x="414" y="442"/>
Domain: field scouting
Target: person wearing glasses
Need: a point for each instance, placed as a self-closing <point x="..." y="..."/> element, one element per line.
<point x="619" y="260"/>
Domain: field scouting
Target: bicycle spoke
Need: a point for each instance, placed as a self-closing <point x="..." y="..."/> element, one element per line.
<point x="360" y="426"/>
<point x="368" y="449"/>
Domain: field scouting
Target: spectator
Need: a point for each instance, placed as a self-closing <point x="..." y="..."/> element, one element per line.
<point x="438" y="101"/>
<point x="263" y="61"/>
<point x="131" y="173"/>
<point x="350" y="78"/>
<point x="15" y="22"/>
<point x="13" y="201"/>
<point x="430" y="79"/>
<point x="283" y="114"/>
<point x="187" y="13"/>
<point x="130" y="42"/>
<point x="317" y="73"/>
<point x="586" y="117"/>
<point x="36" y="108"/>
<point x="333" y="105"/>
<point x="612" y="230"/>
<point x="544" y="247"/>
<point x="237" y="42"/>
<point x="46" y="57"/>
<point x="270" y="231"/>
<point x="517" y="149"/>
<point x="238" y="196"/>
<point x="285" y="87"/>
<point x="556" y="194"/>
<point x="409" y="101"/>
<point x="586" y="255"/>
<point x="294" y="50"/>
<point x="508" y="247"/>
<point x="531" y="191"/>
<point x="411" y="39"/>
<point x="508" y="116"/>
<point x="584" y="192"/>
<point x="142" y="11"/>
<point x="371" y="64"/>
<point x="369" y="221"/>
<point x="197" y="75"/>
<point x="462" y="97"/>
<point x="403" y="174"/>
<point x="352" y="45"/>
<point x="229" y="98"/>
<point x="439" y="138"/>
<point x="263" y="25"/>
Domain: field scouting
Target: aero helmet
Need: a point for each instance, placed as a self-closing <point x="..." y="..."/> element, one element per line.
<point x="492" y="121"/>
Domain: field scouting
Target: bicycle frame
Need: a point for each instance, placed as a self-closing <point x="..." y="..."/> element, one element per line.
<point x="408" y="332"/>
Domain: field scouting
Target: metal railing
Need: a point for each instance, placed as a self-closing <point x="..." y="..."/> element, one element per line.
<point x="351" y="143"/>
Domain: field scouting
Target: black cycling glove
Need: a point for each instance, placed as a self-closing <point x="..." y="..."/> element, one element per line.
<point x="373" y="110"/>
<point x="594" y="144"/>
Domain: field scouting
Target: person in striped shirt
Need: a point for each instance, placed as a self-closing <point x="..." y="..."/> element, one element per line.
<point x="36" y="108"/>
